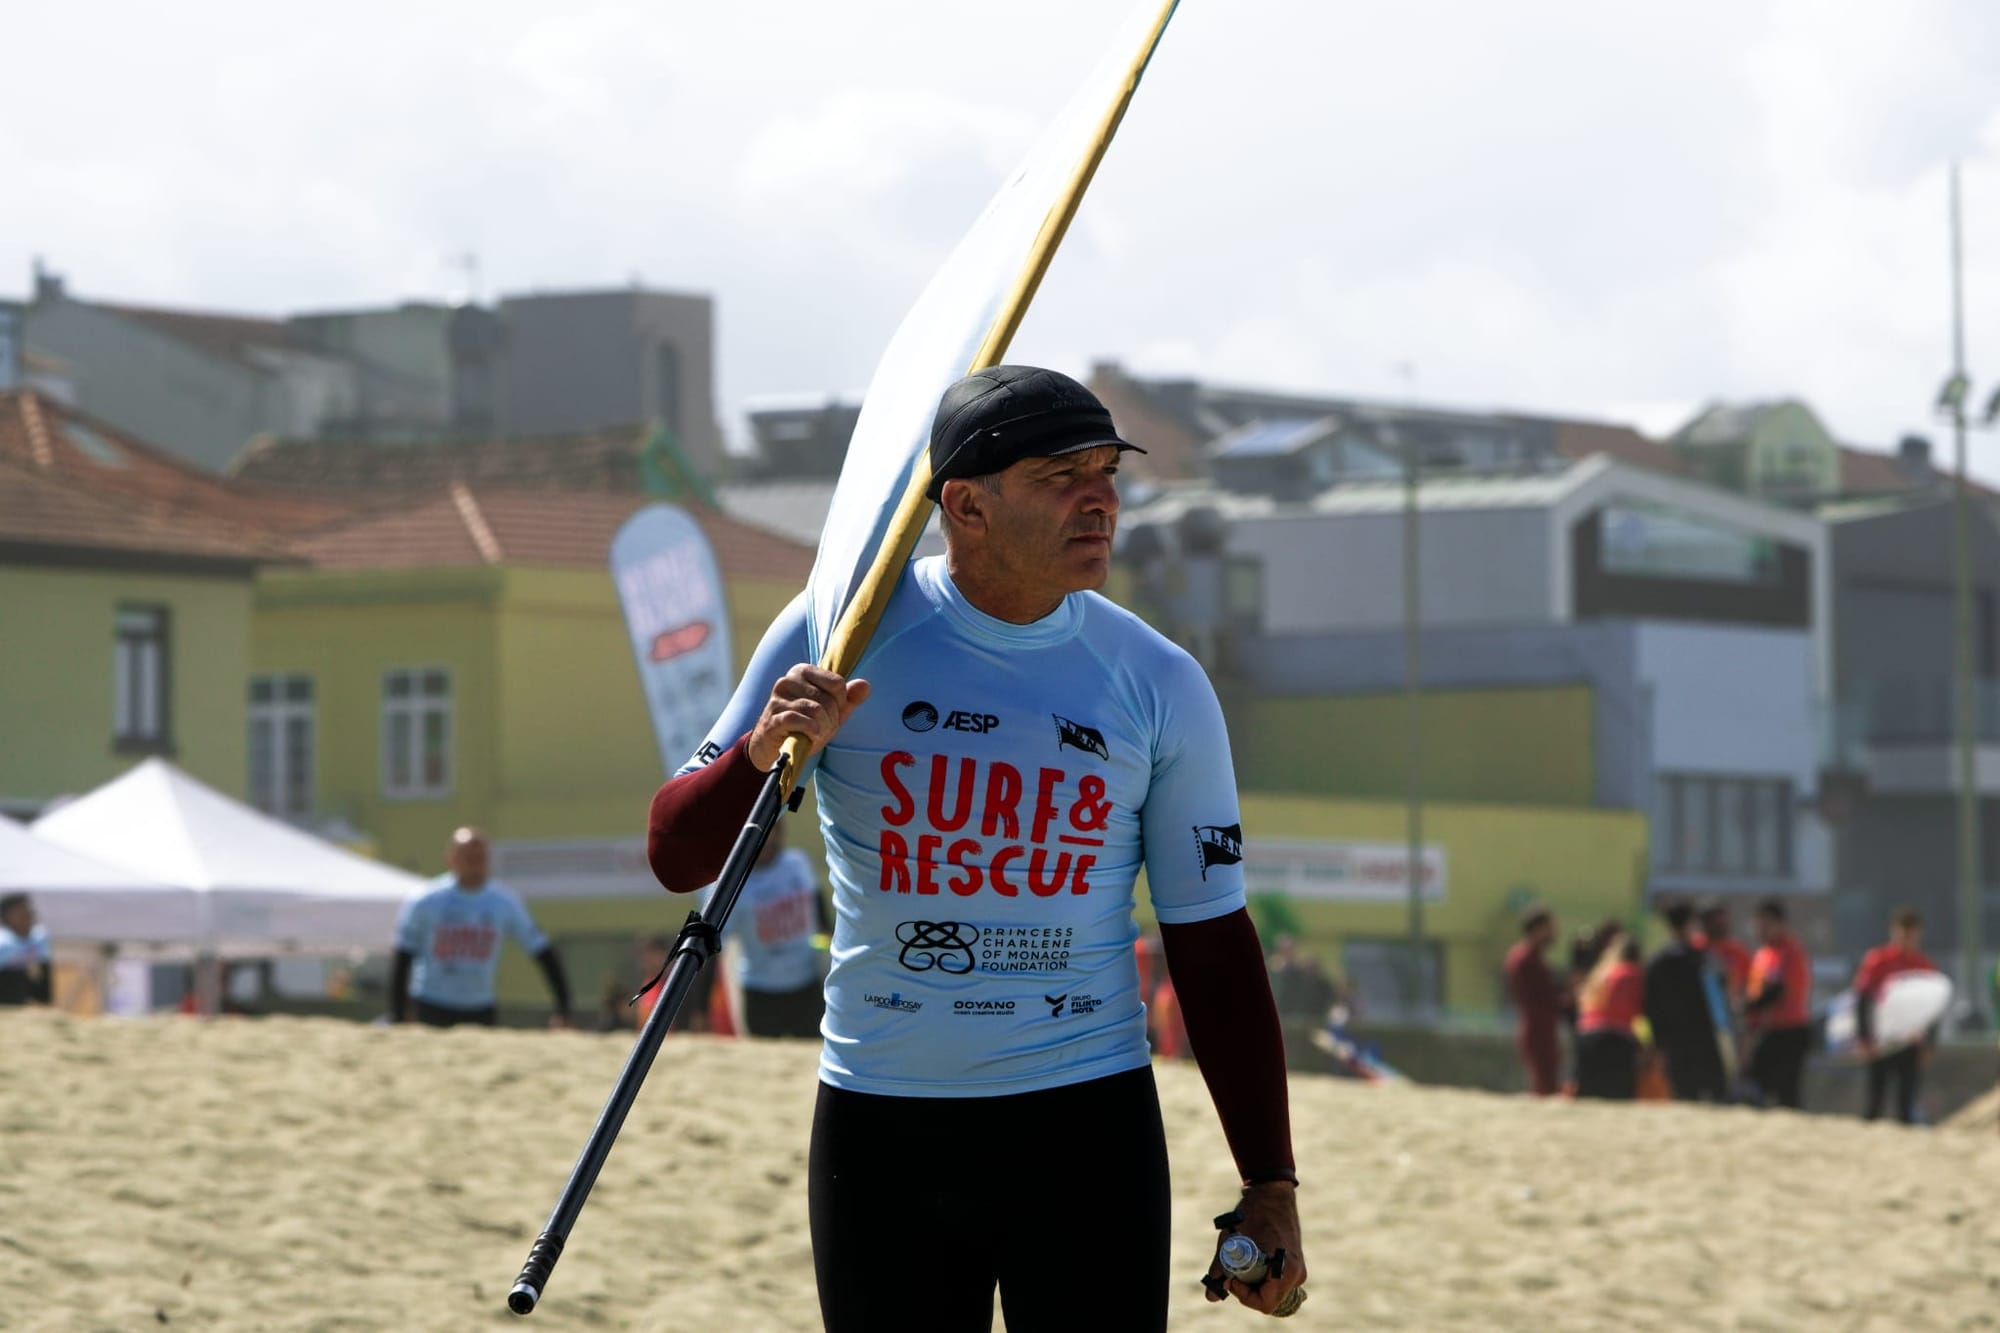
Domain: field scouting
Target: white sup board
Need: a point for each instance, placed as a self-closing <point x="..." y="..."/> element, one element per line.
<point x="1911" y="1003"/>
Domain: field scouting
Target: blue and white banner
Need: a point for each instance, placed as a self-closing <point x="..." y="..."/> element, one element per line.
<point x="944" y="331"/>
<point x="677" y="615"/>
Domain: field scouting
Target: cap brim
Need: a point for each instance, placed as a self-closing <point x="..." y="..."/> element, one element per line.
<point x="1095" y="442"/>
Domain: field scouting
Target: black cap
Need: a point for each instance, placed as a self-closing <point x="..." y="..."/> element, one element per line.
<point x="995" y="417"/>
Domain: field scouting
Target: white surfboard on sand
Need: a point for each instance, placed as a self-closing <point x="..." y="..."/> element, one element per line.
<point x="1910" y="1004"/>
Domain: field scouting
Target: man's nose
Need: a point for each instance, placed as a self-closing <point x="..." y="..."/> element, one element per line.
<point x="1101" y="496"/>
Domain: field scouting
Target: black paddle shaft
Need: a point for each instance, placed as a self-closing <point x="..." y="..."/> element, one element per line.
<point x="699" y="941"/>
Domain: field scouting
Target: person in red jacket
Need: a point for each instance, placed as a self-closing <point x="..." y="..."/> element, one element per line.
<point x="1779" y="1009"/>
<point x="1729" y="958"/>
<point x="1538" y="1002"/>
<point x="1905" y="1065"/>
<point x="1611" y="1002"/>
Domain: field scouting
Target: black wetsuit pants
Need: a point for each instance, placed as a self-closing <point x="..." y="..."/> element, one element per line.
<point x="921" y="1206"/>
<point x="1905" y="1067"/>
<point x="1607" y="1065"/>
<point x="1778" y="1065"/>
<point x="1694" y="1071"/>
<point x="444" y="1016"/>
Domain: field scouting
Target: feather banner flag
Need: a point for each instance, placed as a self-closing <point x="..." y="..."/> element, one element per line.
<point x="677" y="617"/>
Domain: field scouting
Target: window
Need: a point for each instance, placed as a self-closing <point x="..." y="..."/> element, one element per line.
<point x="281" y="745"/>
<point x="1725" y="825"/>
<point x="1653" y="541"/>
<point x="139" y="716"/>
<point x="416" y="733"/>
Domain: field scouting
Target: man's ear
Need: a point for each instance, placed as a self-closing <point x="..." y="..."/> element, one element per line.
<point x="964" y="503"/>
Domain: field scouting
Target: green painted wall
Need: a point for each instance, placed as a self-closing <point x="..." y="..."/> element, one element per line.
<point x="551" y="736"/>
<point x="1792" y="452"/>
<point x="345" y="630"/>
<point x="578" y="758"/>
<point x="1585" y="864"/>
<point x="56" y="640"/>
<point x="1516" y="746"/>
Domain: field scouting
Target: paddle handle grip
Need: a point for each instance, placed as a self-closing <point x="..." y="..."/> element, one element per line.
<point x="534" y="1277"/>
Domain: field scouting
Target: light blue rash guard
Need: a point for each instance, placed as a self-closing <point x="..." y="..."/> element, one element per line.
<point x="25" y="951"/>
<point x="454" y="935"/>
<point x="986" y="814"/>
<point x="772" y="927"/>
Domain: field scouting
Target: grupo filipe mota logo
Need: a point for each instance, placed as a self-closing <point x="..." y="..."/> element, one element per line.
<point x="920" y="716"/>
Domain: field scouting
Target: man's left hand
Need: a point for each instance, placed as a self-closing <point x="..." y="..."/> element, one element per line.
<point x="1270" y="1214"/>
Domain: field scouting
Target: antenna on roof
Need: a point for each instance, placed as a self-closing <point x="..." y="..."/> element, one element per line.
<point x="467" y="263"/>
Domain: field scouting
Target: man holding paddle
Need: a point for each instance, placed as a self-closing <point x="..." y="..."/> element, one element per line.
<point x="987" y="1115"/>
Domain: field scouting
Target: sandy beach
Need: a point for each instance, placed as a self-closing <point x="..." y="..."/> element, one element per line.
<point x="311" y="1174"/>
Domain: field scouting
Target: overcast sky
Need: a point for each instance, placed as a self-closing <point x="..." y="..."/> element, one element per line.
<point x="1568" y="207"/>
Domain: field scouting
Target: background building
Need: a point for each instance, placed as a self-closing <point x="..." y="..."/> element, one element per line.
<point x="126" y="588"/>
<point x="205" y="385"/>
<point x="1895" y="645"/>
<point x="1594" y="639"/>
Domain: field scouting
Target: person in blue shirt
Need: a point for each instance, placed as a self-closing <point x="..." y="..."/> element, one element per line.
<point x="771" y="942"/>
<point x="448" y="944"/>
<point x="27" y="968"/>
<point x="1019" y="750"/>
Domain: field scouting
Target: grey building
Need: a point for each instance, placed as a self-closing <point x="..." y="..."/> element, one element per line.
<point x="206" y="385"/>
<point x="803" y="439"/>
<point x="424" y="371"/>
<point x="586" y="361"/>
<point x="200" y="385"/>
<point x="1894" y="654"/>
<point x="1700" y="620"/>
<point x="1257" y="440"/>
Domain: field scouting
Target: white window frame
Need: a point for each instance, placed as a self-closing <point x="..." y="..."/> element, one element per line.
<point x="278" y="713"/>
<point x="414" y="707"/>
<point x="1720" y="798"/>
<point x="142" y="678"/>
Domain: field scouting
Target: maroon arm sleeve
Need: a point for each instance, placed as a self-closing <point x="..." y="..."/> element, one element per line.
<point x="1232" y="1024"/>
<point x="696" y="817"/>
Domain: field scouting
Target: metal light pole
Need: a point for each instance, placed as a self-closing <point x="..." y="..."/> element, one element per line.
<point x="1967" y="731"/>
<point x="1413" y="677"/>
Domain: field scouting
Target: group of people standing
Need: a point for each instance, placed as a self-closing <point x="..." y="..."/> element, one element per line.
<point x="1704" y="1019"/>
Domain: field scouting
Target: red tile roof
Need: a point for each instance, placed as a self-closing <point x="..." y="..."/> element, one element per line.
<point x="62" y="443"/>
<point x="588" y="460"/>
<point x="1577" y="440"/>
<point x="51" y="512"/>
<point x="489" y="525"/>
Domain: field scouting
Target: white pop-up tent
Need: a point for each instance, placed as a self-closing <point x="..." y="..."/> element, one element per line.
<point x="262" y="887"/>
<point x="76" y="895"/>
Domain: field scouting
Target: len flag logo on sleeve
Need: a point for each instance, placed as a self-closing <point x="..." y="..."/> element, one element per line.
<point x="1218" y="845"/>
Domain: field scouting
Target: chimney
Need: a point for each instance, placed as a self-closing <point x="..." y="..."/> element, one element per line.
<point x="48" y="284"/>
<point x="1914" y="453"/>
